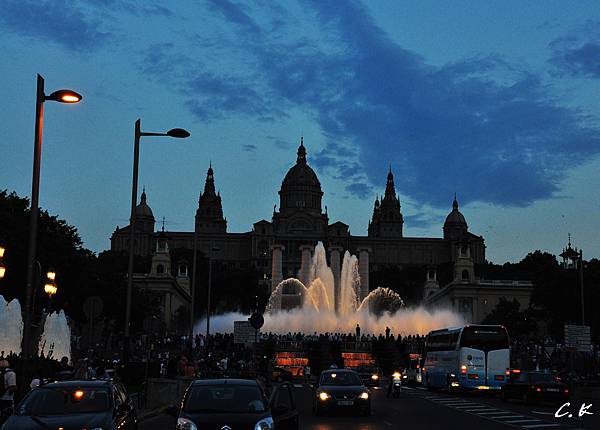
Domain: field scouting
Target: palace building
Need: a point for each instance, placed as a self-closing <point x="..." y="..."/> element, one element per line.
<point x="281" y="246"/>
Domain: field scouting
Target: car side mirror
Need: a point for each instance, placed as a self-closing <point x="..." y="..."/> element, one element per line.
<point x="172" y="410"/>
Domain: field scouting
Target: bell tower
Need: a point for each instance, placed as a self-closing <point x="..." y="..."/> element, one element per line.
<point x="209" y="215"/>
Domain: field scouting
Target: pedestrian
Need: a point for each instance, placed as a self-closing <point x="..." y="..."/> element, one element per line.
<point x="357" y="331"/>
<point x="8" y="386"/>
<point x="387" y="332"/>
<point x="307" y="373"/>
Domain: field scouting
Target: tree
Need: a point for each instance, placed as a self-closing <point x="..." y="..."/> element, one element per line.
<point x="519" y="324"/>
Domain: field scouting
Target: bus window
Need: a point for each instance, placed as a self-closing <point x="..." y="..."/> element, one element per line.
<point x="484" y="338"/>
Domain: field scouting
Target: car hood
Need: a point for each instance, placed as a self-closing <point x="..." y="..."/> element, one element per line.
<point x="68" y="422"/>
<point x="343" y="389"/>
<point x="216" y="421"/>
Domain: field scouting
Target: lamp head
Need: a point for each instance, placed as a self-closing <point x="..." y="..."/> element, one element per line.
<point x="2" y="270"/>
<point x="51" y="274"/>
<point x="2" y="249"/>
<point x="178" y="132"/>
<point x="50" y="288"/>
<point x="65" y="96"/>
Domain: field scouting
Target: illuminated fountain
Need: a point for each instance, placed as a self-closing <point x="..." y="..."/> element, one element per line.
<point x="56" y="336"/>
<point x="11" y="326"/>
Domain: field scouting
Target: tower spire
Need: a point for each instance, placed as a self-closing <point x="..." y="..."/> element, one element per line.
<point x="455" y="203"/>
<point x="301" y="152"/>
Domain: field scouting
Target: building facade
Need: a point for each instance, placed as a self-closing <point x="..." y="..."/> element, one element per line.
<point x="279" y="247"/>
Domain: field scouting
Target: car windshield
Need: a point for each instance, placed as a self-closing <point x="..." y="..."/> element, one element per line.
<point x="226" y="398"/>
<point x="542" y="377"/>
<point x="64" y="401"/>
<point x="340" y="378"/>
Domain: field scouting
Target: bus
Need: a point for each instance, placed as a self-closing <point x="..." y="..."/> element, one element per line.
<point x="470" y="357"/>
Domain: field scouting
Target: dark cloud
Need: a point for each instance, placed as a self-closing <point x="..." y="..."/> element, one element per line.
<point x="280" y="143"/>
<point x="360" y="190"/>
<point x="579" y="60"/>
<point x="59" y="21"/>
<point x="479" y="126"/>
<point x="249" y="148"/>
<point x="423" y="220"/>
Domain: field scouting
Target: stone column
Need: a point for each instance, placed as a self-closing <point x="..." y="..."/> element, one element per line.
<point x="305" y="264"/>
<point x="363" y="270"/>
<point x="276" y="265"/>
<point x="334" y="258"/>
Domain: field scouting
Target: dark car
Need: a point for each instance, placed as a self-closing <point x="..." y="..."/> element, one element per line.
<point x="535" y="386"/>
<point x="369" y="375"/>
<point x="75" y="405"/>
<point x="236" y="403"/>
<point x="341" y="389"/>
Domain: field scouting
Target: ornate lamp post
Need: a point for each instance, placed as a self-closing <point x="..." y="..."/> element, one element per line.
<point x="2" y="266"/>
<point x="573" y="260"/>
<point x="61" y="96"/>
<point x="177" y="133"/>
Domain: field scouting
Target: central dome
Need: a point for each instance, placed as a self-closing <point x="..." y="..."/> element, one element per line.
<point x="301" y="187"/>
<point x="301" y="174"/>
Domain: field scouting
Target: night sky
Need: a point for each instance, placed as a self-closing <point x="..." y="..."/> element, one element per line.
<point x="498" y="102"/>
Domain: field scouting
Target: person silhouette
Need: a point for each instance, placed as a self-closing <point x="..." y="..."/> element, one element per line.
<point x="357" y="331"/>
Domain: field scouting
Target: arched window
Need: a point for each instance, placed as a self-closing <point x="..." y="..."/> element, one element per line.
<point x="160" y="269"/>
<point x="465" y="275"/>
<point x="431" y="274"/>
<point x="182" y="270"/>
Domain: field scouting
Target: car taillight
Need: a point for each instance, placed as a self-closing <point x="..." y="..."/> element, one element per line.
<point x="473" y="376"/>
<point x="566" y="391"/>
<point x="499" y="377"/>
<point x="463" y="369"/>
<point x="538" y="389"/>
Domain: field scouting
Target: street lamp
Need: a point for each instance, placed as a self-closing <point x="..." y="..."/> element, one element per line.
<point x="61" y="96"/>
<point x="177" y="133"/>
<point x="2" y="266"/>
<point x="573" y="259"/>
<point x="210" y="259"/>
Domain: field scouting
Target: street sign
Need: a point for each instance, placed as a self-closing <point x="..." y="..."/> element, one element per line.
<point x="243" y="332"/>
<point x="578" y="337"/>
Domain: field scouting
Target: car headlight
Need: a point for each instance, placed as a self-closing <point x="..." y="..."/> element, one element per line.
<point x="404" y="376"/>
<point x="374" y="377"/>
<point x="323" y="395"/>
<point x="364" y="395"/>
<point x="265" y="424"/>
<point x="396" y="375"/>
<point x="185" y="424"/>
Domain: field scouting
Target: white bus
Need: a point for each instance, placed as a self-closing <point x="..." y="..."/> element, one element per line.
<point x="473" y="357"/>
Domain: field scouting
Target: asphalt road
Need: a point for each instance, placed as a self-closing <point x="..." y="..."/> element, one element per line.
<point x="418" y="408"/>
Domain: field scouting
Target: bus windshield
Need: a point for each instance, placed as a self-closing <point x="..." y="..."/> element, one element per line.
<point x="484" y="338"/>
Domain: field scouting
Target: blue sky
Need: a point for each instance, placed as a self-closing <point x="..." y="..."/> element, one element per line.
<point x="498" y="102"/>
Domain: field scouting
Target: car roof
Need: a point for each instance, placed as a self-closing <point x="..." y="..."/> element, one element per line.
<point x="338" y="371"/>
<point x="224" y="381"/>
<point x="79" y="383"/>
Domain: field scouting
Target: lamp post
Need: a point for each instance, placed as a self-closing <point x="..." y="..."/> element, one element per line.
<point x="210" y="259"/>
<point x="61" y="96"/>
<point x="50" y="287"/>
<point x="177" y="133"/>
<point x="193" y="285"/>
<point x="573" y="259"/>
<point x="2" y="266"/>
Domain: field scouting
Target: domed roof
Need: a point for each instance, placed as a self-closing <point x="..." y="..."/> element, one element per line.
<point x="301" y="174"/>
<point x="455" y="217"/>
<point x="143" y="210"/>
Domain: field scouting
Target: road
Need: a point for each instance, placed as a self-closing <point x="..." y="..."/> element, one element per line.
<point x="418" y="408"/>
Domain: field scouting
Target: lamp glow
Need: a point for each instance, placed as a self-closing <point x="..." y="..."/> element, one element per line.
<point x="65" y="96"/>
<point x="51" y="274"/>
<point x="364" y="395"/>
<point x="323" y="395"/>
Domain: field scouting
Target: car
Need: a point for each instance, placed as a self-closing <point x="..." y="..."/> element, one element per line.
<point x="369" y="375"/>
<point x="235" y="403"/>
<point x="535" y="386"/>
<point x="96" y="404"/>
<point x="342" y="390"/>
